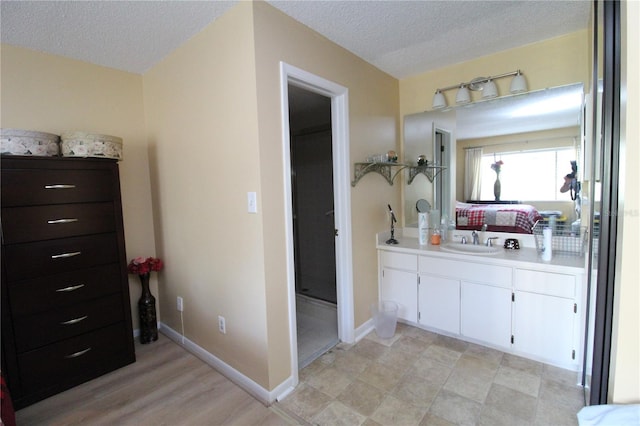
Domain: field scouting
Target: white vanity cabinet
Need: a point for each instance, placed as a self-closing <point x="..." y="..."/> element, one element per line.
<point x="510" y="301"/>
<point x="466" y="298"/>
<point x="399" y="281"/>
<point x="546" y="315"/>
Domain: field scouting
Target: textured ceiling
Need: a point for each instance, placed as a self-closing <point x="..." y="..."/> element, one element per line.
<point x="402" y="38"/>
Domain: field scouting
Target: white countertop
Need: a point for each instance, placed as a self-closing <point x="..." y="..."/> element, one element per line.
<point x="525" y="257"/>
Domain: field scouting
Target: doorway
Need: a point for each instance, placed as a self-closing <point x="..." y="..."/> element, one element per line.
<point x="338" y="95"/>
<point x="313" y="223"/>
<point x="442" y="181"/>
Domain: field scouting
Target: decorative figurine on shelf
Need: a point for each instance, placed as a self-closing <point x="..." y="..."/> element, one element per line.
<point x="392" y="240"/>
<point x="147" y="304"/>
<point x="392" y="157"/>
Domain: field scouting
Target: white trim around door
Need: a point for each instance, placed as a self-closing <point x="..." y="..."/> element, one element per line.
<point x="342" y="201"/>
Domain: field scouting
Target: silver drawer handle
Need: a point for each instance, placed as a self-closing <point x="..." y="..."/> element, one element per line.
<point x="77" y="354"/>
<point x="57" y="221"/>
<point x="70" y="288"/>
<point x="63" y="255"/>
<point x="59" y="186"/>
<point x="74" y="321"/>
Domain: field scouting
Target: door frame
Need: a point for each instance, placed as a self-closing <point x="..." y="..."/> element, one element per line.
<point x="342" y="201"/>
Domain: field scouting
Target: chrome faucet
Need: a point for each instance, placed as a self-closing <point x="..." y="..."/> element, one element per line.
<point x="475" y="235"/>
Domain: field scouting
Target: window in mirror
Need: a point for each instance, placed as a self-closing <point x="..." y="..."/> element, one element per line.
<point x="545" y="168"/>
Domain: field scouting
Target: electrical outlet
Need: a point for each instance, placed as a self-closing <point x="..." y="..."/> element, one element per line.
<point x="222" y="326"/>
<point x="179" y="305"/>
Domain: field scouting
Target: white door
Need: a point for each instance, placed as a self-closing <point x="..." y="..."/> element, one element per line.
<point x="439" y="303"/>
<point x="486" y="313"/>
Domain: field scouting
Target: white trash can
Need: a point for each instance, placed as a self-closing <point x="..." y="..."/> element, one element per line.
<point x="385" y="317"/>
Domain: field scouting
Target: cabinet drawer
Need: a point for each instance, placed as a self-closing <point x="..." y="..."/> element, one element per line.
<point x="62" y="290"/>
<point x="25" y="187"/>
<point x="74" y="360"/>
<point x="24" y="224"/>
<point x="30" y="260"/>
<point x="499" y="276"/>
<point x="43" y="328"/>
<point x="552" y="284"/>
<point x="407" y="262"/>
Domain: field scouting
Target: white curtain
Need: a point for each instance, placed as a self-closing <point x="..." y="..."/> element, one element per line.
<point x="472" y="175"/>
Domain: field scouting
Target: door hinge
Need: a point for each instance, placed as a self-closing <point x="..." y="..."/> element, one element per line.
<point x="575" y="308"/>
<point x="418" y="279"/>
<point x="573" y="354"/>
<point x="383" y="273"/>
<point x="335" y="232"/>
<point x="512" y="339"/>
<point x="513" y="297"/>
<point x="419" y="316"/>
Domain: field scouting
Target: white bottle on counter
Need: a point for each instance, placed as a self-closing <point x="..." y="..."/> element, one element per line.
<point x="423" y="228"/>
<point x="547" y="235"/>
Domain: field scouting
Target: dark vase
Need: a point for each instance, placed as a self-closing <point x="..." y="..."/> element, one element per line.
<point x="497" y="187"/>
<point x="147" y="312"/>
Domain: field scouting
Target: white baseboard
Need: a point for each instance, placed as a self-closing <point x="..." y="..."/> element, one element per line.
<point x="364" y="329"/>
<point x="258" y="392"/>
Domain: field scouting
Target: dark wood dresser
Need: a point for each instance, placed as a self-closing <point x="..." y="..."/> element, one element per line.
<point x="66" y="315"/>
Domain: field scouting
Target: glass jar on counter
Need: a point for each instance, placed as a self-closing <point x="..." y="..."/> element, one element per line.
<point x="435" y="237"/>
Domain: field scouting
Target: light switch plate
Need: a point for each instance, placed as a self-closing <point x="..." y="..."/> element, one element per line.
<point x="252" y="203"/>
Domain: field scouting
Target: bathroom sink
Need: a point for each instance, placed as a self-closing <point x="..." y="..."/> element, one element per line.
<point x="471" y="249"/>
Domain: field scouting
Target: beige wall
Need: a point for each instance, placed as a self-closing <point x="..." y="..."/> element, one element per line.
<point x="373" y="121"/>
<point x="554" y="62"/>
<point x="54" y="94"/>
<point x="215" y="134"/>
<point x="200" y="106"/>
<point x="625" y="357"/>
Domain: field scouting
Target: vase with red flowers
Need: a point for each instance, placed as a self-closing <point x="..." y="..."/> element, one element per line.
<point x="142" y="266"/>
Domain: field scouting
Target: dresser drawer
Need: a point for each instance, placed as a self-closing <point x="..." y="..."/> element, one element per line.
<point x="34" y="331"/>
<point x="35" y="223"/>
<point x="30" y="260"/>
<point x="26" y="187"/>
<point x="74" y="360"/>
<point x="62" y="290"/>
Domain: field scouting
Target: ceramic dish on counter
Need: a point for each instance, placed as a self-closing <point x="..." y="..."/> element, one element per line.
<point x="28" y="142"/>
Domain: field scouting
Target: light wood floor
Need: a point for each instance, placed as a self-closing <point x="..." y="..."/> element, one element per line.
<point x="166" y="386"/>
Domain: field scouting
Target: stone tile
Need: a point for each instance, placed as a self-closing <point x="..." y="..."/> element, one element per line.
<point x="310" y="370"/>
<point x="373" y="336"/>
<point x="416" y="391"/>
<point x="362" y="397"/>
<point x="522" y="364"/>
<point x="422" y="335"/>
<point x="433" y="420"/>
<point x="337" y="414"/>
<point x="476" y="366"/>
<point x="451" y="343"/>
<point x="411" y="345"/>
<point x="490" y="355"/>
<point x="330" y="381"/>
<point x="556" y="393"/>
<point x="555" y="414"/>
<point x="370" y="422"/>
<point x="430" y="370"/>
<point x="370" y="349"/>
<point x="518" y="380"/>
<point x="393" y="411"/>
<point x="493" y="417"/>
<point x="351" y="363"/>
<point x="305" y="402"/>
<point x="468" y="384"/>
<point x="398" y="358"/>
<point x="567" y="377"/>
<point x="381" y="376"/>
<point x="512" y="403"/>
<point x="442" y="355"/>
<point x="455" y="408"/>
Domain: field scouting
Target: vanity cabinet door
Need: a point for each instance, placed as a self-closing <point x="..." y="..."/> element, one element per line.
<point x="486" y="313"/>
<point x="401" y="287"/>
<point x="439" y="303"/>
<point x="543" y="326"/>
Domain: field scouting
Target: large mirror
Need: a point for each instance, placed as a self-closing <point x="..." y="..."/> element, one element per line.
<point x="528" y="142"/>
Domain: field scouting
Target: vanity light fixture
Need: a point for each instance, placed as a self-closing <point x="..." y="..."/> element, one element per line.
<point x="485" y="84"/>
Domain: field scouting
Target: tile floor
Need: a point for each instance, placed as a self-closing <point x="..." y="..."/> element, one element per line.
<point x="421" y="378"/>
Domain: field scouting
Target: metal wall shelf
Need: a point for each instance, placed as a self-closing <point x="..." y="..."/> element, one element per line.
<point x="387" y="171"/>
